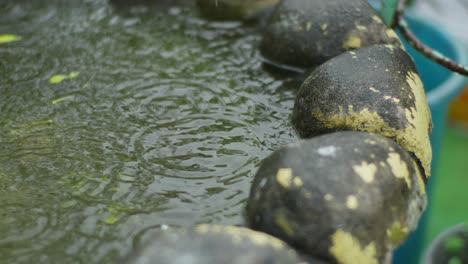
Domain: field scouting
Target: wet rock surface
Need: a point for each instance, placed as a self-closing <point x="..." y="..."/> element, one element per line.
<point x="212" y="244"/>
<point x="235" y="9"/>
<point x="347" y="197"/>
<point x="375" y="89"/>
<point x="306" y="33"/>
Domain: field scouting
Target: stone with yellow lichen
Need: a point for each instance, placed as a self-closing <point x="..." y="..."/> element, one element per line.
<point x="345" y="197"/>
<point x="306" y="33"/>
<point x="235" y="9"/>
<point x="212" y="244"/>
<point x="375" y="89"/>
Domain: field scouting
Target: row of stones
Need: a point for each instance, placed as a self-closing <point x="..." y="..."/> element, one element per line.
<point x="352" y="191"/>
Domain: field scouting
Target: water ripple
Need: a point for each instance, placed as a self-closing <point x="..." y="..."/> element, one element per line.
<point x="166" y="123"/>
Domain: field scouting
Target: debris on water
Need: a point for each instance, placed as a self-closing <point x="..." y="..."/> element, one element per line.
<point x="7" y="38"/>
<point x="58" y="78"/>
<point x="61" y="99"/>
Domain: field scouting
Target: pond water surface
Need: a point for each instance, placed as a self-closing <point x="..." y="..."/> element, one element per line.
<point x="115" y="119"/>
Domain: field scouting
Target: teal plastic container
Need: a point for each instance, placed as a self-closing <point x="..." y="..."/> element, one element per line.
<point x="442" y="87"/>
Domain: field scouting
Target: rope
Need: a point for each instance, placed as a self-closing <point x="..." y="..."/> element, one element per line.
<point x="434" y="55"/>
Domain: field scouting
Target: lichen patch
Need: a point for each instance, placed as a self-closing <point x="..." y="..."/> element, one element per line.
<point x="420" y="119"/>
<point x="284" y="224"/>
<point x="328" y="197"/>
<point x="414" y="137"/>
<point x="352" y="43"/>
<point x="286" y="179"/>
<point x="361" y="27"/>
<point x="352" y="202"/>
<point x="348" y="250"/>
<point x="399" y="168"/>
<point x="239" y="233"/>
<point x="397" y="234"/>
<point x="366" y="171"/>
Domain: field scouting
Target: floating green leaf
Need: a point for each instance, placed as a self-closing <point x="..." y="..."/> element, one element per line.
<point x="73" y="74"/>
<point x="58" y="78"/>
<point x="7" y="38"/>
<point x="111" y="220"/>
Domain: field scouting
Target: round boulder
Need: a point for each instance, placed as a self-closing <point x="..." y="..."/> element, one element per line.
<point x="235" y="9"/>
<point x="346" y="197"/>
<point x="306" y="33"/>
<point x="212" y="244"/>
<point x="375" y="89"/>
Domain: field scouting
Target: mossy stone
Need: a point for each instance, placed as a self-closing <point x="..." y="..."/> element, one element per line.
<point x="375" y="89"/>
<point x="213" y="244"/>
<point x="346" y="197"/>
<point x="235" y="9"/>
<point x="306" y="33"/>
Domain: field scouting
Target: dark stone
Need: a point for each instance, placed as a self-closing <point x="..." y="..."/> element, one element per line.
<point x="306" y="33"/>
<point x="212" y="244"/>
<point x="346" y="197"/>
<point x="235" y="9"/>
<point x="375" y="89"/>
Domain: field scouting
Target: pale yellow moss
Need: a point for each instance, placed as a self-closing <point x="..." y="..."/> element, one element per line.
<point x="361" y="27"/>
<point x="390" y="47"/>
<point x="284" y="177"/>
<point x="413" y="138"/>
<point x="370" y="141"/>
<point x="324" y="27"/>
<point x="328" y="197"/>
<point x="239" y="233"/>
<point x="397" y="234"/>
<point x="420" y="118"/>
<point x="352" y="202"/>
<point x="352" y="43"/>
<point x="392" y="34"/>
<point x="297" y="182"/>
<point x="366" y="171"/>
<point x="399" y="168"/>
<point x="394" y="99"/>
<point x="377" y="19"/>
<point x="284" y="224"/>
<point x="308" y="26"/>
<point x="348" y="250"/>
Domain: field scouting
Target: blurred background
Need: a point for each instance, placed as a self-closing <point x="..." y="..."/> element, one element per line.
<point x="448" y="194"/>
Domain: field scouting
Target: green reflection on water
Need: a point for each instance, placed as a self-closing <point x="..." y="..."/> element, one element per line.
<point x="165" y="123"/>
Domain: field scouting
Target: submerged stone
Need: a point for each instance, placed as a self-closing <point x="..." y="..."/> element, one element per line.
<point x="212" y="244"/>
<point x="375" y="89"/>
<point x="235" y="9"/>
<point x="346" y="197"/>
<point x="306" y="33"/>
